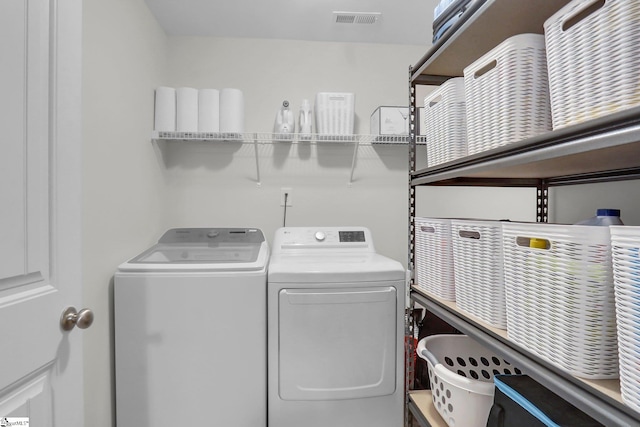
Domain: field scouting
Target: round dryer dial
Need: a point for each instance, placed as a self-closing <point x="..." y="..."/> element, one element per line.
<point x="320" y="236"/>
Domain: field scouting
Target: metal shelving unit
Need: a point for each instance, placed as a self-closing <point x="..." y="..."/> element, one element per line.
<point x="604" y="149"/>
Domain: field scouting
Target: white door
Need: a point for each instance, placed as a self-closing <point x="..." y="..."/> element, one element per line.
<point x="40" y="134"/>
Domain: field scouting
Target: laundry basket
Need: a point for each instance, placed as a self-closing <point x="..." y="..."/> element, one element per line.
<point x="461" y="373"/>
<point x="434" y="257"/>
<point x="625" y="243"/>
<point x="507" y="95"/>
<point x="479" y="277"/>
<point x="560" y="295"/>
<point x="594" y="60"/>
<point x="445" y="123"/>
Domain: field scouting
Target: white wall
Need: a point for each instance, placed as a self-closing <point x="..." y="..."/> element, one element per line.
<point x="216" y="184"/>
<point x="123" y="61"/>
<point x="569" y="205"/>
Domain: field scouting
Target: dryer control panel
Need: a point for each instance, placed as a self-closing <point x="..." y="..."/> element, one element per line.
<point x="351" y="238"/>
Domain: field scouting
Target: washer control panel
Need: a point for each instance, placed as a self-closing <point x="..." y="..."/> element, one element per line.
<point x="323" y="237"/>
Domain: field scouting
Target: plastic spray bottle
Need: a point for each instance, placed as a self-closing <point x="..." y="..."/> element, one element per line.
<point x="304" y="121"/>
<point x="284" y="125"/>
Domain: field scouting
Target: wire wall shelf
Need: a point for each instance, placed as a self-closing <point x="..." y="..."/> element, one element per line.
<point x="272" y="138"/>
<point x="257" y="139"/>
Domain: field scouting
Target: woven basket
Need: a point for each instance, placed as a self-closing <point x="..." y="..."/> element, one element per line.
<point x="445" y="123"/>
<point x="507" y="94"/>
<point x="594" y="60"/>
<point x="560" y="297"/>
<point x="478" y="272"/>
<point x="434" y="257"/>
<point x="625" y="243"/>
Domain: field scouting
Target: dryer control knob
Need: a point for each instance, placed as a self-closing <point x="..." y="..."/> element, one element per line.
<point x="320" y="236"/>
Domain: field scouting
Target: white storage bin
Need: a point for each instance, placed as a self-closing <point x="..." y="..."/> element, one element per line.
<point x="560" y="297"/>
<point x="478" y="272"/>
<point x="434" y="257"/>
<point x="461" y="374"/>
<point x="594" y="60"/>
<point x="445" y="123"/>
<point x="507" y="94"/>
<point x="625" y="243"/>
<point x="335" y="114"/>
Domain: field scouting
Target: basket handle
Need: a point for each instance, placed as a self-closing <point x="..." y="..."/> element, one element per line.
<point x="485" y="69"/>
<point x="424" y="353"/>
<point x="533" y="242"/>
<point x="435" y="101"/>
<point x="582" y="14"/>
<point x="427" y="229"/>
<point x="469" y="234"/>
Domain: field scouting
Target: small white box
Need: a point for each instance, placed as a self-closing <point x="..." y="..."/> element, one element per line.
<point x="390" y="121"/>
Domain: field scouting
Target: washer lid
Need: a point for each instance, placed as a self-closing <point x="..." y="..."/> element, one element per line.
<point x="188" y="236"/>
<point x="204" y="249"/>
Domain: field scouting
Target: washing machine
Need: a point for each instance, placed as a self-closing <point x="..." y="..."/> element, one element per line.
<point x="190" y="330"/>
<point x="335" y="330"/>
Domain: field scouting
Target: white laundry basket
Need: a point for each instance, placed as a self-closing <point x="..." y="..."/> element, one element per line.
<point x="478" y="272"/>
<point x="560" y="296"/>
<point x="625" y="243"/>
<point x="461" y="374"/>
<point x="507" y="94"/>
<point x="445" y="123"/>
<point x="594" y="60"/>
<point x="434" y="257"/>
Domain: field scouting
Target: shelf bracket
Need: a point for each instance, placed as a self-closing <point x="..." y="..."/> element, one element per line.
<point x="542" y="201"/>
<point x="255" y="149"/>
<point x="353" y="161"/>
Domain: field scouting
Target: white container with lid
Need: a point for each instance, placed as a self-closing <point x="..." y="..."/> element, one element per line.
<point x="604" y="217"/>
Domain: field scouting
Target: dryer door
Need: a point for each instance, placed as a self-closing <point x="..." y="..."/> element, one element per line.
<point x="337" y="343"/>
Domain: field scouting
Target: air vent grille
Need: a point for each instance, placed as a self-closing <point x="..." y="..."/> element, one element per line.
<point x="357" y="17"/>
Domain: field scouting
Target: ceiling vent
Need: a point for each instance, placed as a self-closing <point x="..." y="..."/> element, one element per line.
<point x="357" y="17"/>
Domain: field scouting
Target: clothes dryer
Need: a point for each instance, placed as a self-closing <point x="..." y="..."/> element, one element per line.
<point x="335" y="330"/>
<point x="190" y="330"/>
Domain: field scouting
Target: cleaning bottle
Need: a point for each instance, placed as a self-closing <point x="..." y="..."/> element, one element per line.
<point x="304" y="121"/>
<point x="284" y="125"/>
<point x="604" y="217"/>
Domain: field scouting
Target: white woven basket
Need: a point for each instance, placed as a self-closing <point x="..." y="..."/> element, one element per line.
<point x="445" y="123"/>
<point x="507" y="94"/>
<point x="560" y="298"/>
<point x="625" y="242"/>
<point x="434" y="257"/>
<point x="594" y="60"/>
<point x="461" y="375"/>
<point x="478" y="272"/>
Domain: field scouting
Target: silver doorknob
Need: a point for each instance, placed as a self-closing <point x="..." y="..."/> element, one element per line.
<point x="71" y="318"/>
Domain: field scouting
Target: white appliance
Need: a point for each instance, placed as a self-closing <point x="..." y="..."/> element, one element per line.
<point x="190" y="330"/>
<point x="335" y="330"/>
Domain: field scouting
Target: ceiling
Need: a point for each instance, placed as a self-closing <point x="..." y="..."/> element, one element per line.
<point x="401" y="22"/>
